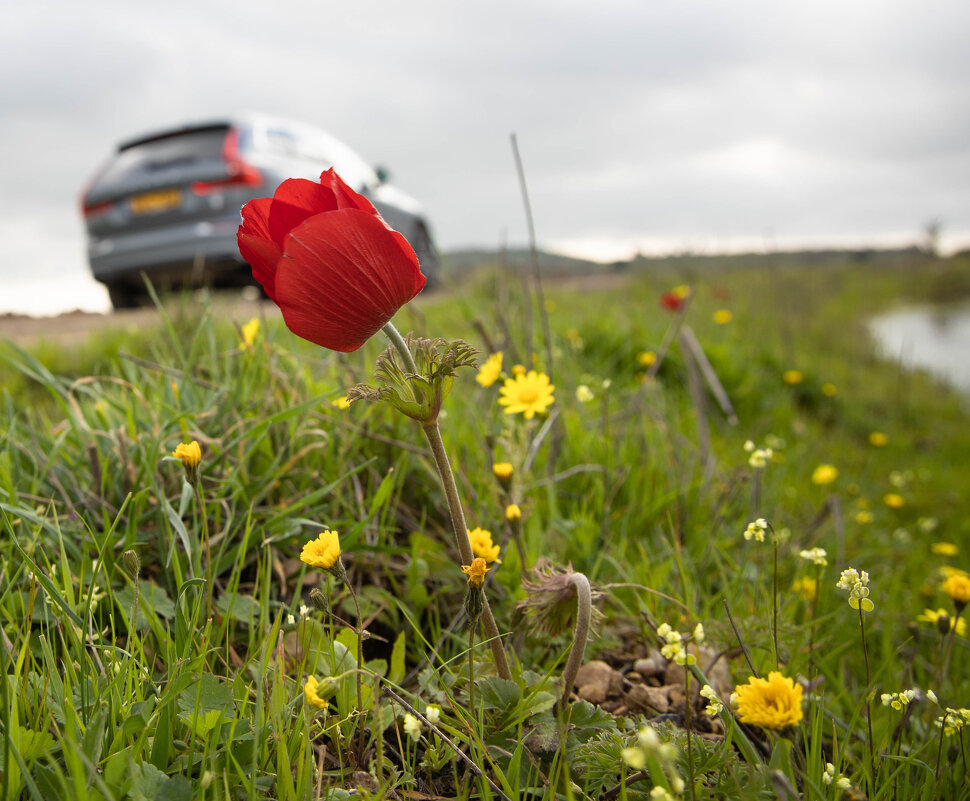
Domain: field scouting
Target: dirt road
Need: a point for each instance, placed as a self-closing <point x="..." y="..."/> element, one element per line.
<point x="74" y="327"/>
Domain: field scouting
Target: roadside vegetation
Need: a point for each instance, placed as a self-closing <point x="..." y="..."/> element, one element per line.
<point x="767" y="519"/>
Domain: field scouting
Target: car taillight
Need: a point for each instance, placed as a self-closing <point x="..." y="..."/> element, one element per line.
<point x="240" y="172"/>
<point x="94" y="209"/>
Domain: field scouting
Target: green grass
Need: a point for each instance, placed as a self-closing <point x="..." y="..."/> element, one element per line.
<point x="187" y="683"/>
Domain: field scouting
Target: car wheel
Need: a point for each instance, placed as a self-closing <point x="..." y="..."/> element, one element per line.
<point x="124" y="297"/>
<point x="427" y="254"/>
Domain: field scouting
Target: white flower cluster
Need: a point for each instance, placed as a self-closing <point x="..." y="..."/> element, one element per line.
<point x="814" y="555"/>
<point x="674" y="649"/>
<point x="714" y="703"/>
<point x="756" y="530"/>
<point x="898" y="700"/>
<point x="856" y="583"/>
<point x="953" y="720"/>
<point x="759" y="457"/>
<point x="829" y="776"/>
<point x="649" y="746"/>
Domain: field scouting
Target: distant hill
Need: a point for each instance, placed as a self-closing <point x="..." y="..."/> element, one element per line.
<point x="460" y="261"/>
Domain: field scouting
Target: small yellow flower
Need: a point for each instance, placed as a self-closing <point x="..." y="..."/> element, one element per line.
<point x="858" y="586"/>
<point x="894" y="500"/>
<point x="249" y="332"/>
<point x="323" y="552"/>
<point x="814" y="555"/>
<point x="312" y="692"/>
<point x="792" y="377"/>
<point x="475" y="571"/>
<point x="513" y="512"/>
<point x="489" y="372"/>
<point x="503" y="471"/>
<point x="943" y="621"/>
<point x="714" y="703"/>
<point x="805" y="586"/>
<point x="646" y="358"/>
<point x="342" y="403"/>
<point x="775" y="703"/>
<point x="944" y="549"/>
<point x="682" y="291"/>
<point x="518" y="369"/>
<point x="189" y="455"/>
<point x="481" y="540"/>
<point x="829" y="390"/>
<point x="824" y="474"/>
<point x="723" y="316"/>
<point x="958" y="588"/>
<point x="530" y="394"/>
<point x="863" y="517"/>
<point x="878" y="440"/>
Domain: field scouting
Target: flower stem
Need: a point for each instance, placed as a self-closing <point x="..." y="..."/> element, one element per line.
<point x="360" y="667"/>
<point x="865" y="653"/>
<point x="401" y="346"/>
<point x="584" y="615"/>
<point x="433" y="433"/>
<point x="774" y="599"/>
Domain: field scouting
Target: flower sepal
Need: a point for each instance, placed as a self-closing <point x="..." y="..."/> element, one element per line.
<point x="419" y="394"/>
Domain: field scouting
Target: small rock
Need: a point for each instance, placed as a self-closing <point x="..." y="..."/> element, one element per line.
<point x="596" y="681"/>
<point x="645" y="697"/>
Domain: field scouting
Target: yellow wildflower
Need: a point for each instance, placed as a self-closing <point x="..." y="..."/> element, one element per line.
<point x="646" y="358"/>
<point x="342" y="403"/>
<point x="682" y="291"/>
<point x="958" y="588"/>
<point x="481" y="541"/>
<point x="475" y="571"/>
<point x="723" y="316"/>
<point x="863" y="516"/>
<point x="324" y="552"/>
<point x="805" y="586"/>
<point x="503" y="472"/>
<point x="857" y="585"/>
<point x="189" y="455"/>
<point x="878" y="440"/>
<point x="944" y="549"/>
<point x="513" y="512"/>
<point x="792" y="377"/>
<point x="518" y="369"/>
<point x="489" y="372"/>
<point x="829" y="390"/>
<point x="824" y="474"/>
<point x="312" y="692"/>
<point x="529" y="394"/>
<point x="943" y="621"/>
<point x="775" y="703"/>
<point x="894" y="500"/>
<point x="249" y="332"/>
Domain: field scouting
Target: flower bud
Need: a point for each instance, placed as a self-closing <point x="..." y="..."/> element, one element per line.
<point x="131" y="563"/>
<point x="319" y="601"/>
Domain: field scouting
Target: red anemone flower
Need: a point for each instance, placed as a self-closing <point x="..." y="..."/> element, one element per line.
<point x="671" y="301"/>
<point x="326" y="257"/>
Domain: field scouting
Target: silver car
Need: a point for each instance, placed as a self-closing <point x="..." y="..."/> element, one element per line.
<point x="167" y="204"/>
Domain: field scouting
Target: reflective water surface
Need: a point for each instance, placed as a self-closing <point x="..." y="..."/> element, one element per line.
<point x="933" y="338"/>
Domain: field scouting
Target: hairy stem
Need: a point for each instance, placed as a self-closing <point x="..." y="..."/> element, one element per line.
<point x="584" y="616"/>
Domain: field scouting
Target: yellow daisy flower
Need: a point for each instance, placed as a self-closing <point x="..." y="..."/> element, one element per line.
<point x="323" y="552"/>
<point x="475" y="571"/>
<point x="772" y="703"/>
<point x="489" y="372"/>
<point x="723" y="316"/>
<point x="188" y="454"/>
<point x="482" y="546"/>
<point x="792" y="377"/>
<point x="529" y="394"/>
<point x="824" y="474"/>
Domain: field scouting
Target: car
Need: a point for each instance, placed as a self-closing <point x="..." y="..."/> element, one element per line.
<point x="167" y="203"/>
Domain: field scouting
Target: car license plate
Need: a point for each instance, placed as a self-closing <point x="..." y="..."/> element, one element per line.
<point x="155" y="202"/>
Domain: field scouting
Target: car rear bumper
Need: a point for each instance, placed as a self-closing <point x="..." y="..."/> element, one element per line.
<point x="188" y="251"/>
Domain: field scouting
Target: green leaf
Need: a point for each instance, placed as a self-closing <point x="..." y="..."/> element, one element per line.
<point x="241" y="608"/>
<point x="176" y="523"/>
<point x="498" y="693"/>
<point x="396" y="673"/>
<point x="207" y="694"/>
<point x="149" y="593"/>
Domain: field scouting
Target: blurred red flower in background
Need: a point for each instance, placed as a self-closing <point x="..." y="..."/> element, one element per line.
<point x="328" y="260"/>
<point x="671" y="301"/>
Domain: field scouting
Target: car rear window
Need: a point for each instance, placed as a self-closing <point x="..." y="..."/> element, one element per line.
<point x="165" y="152"/>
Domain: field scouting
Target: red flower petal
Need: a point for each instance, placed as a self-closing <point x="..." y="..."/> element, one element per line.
<point x="343" y="275"/>
<point x="255" y="244"/>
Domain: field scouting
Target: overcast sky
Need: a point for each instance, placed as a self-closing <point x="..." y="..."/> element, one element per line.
<point x="648" y="124"/>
